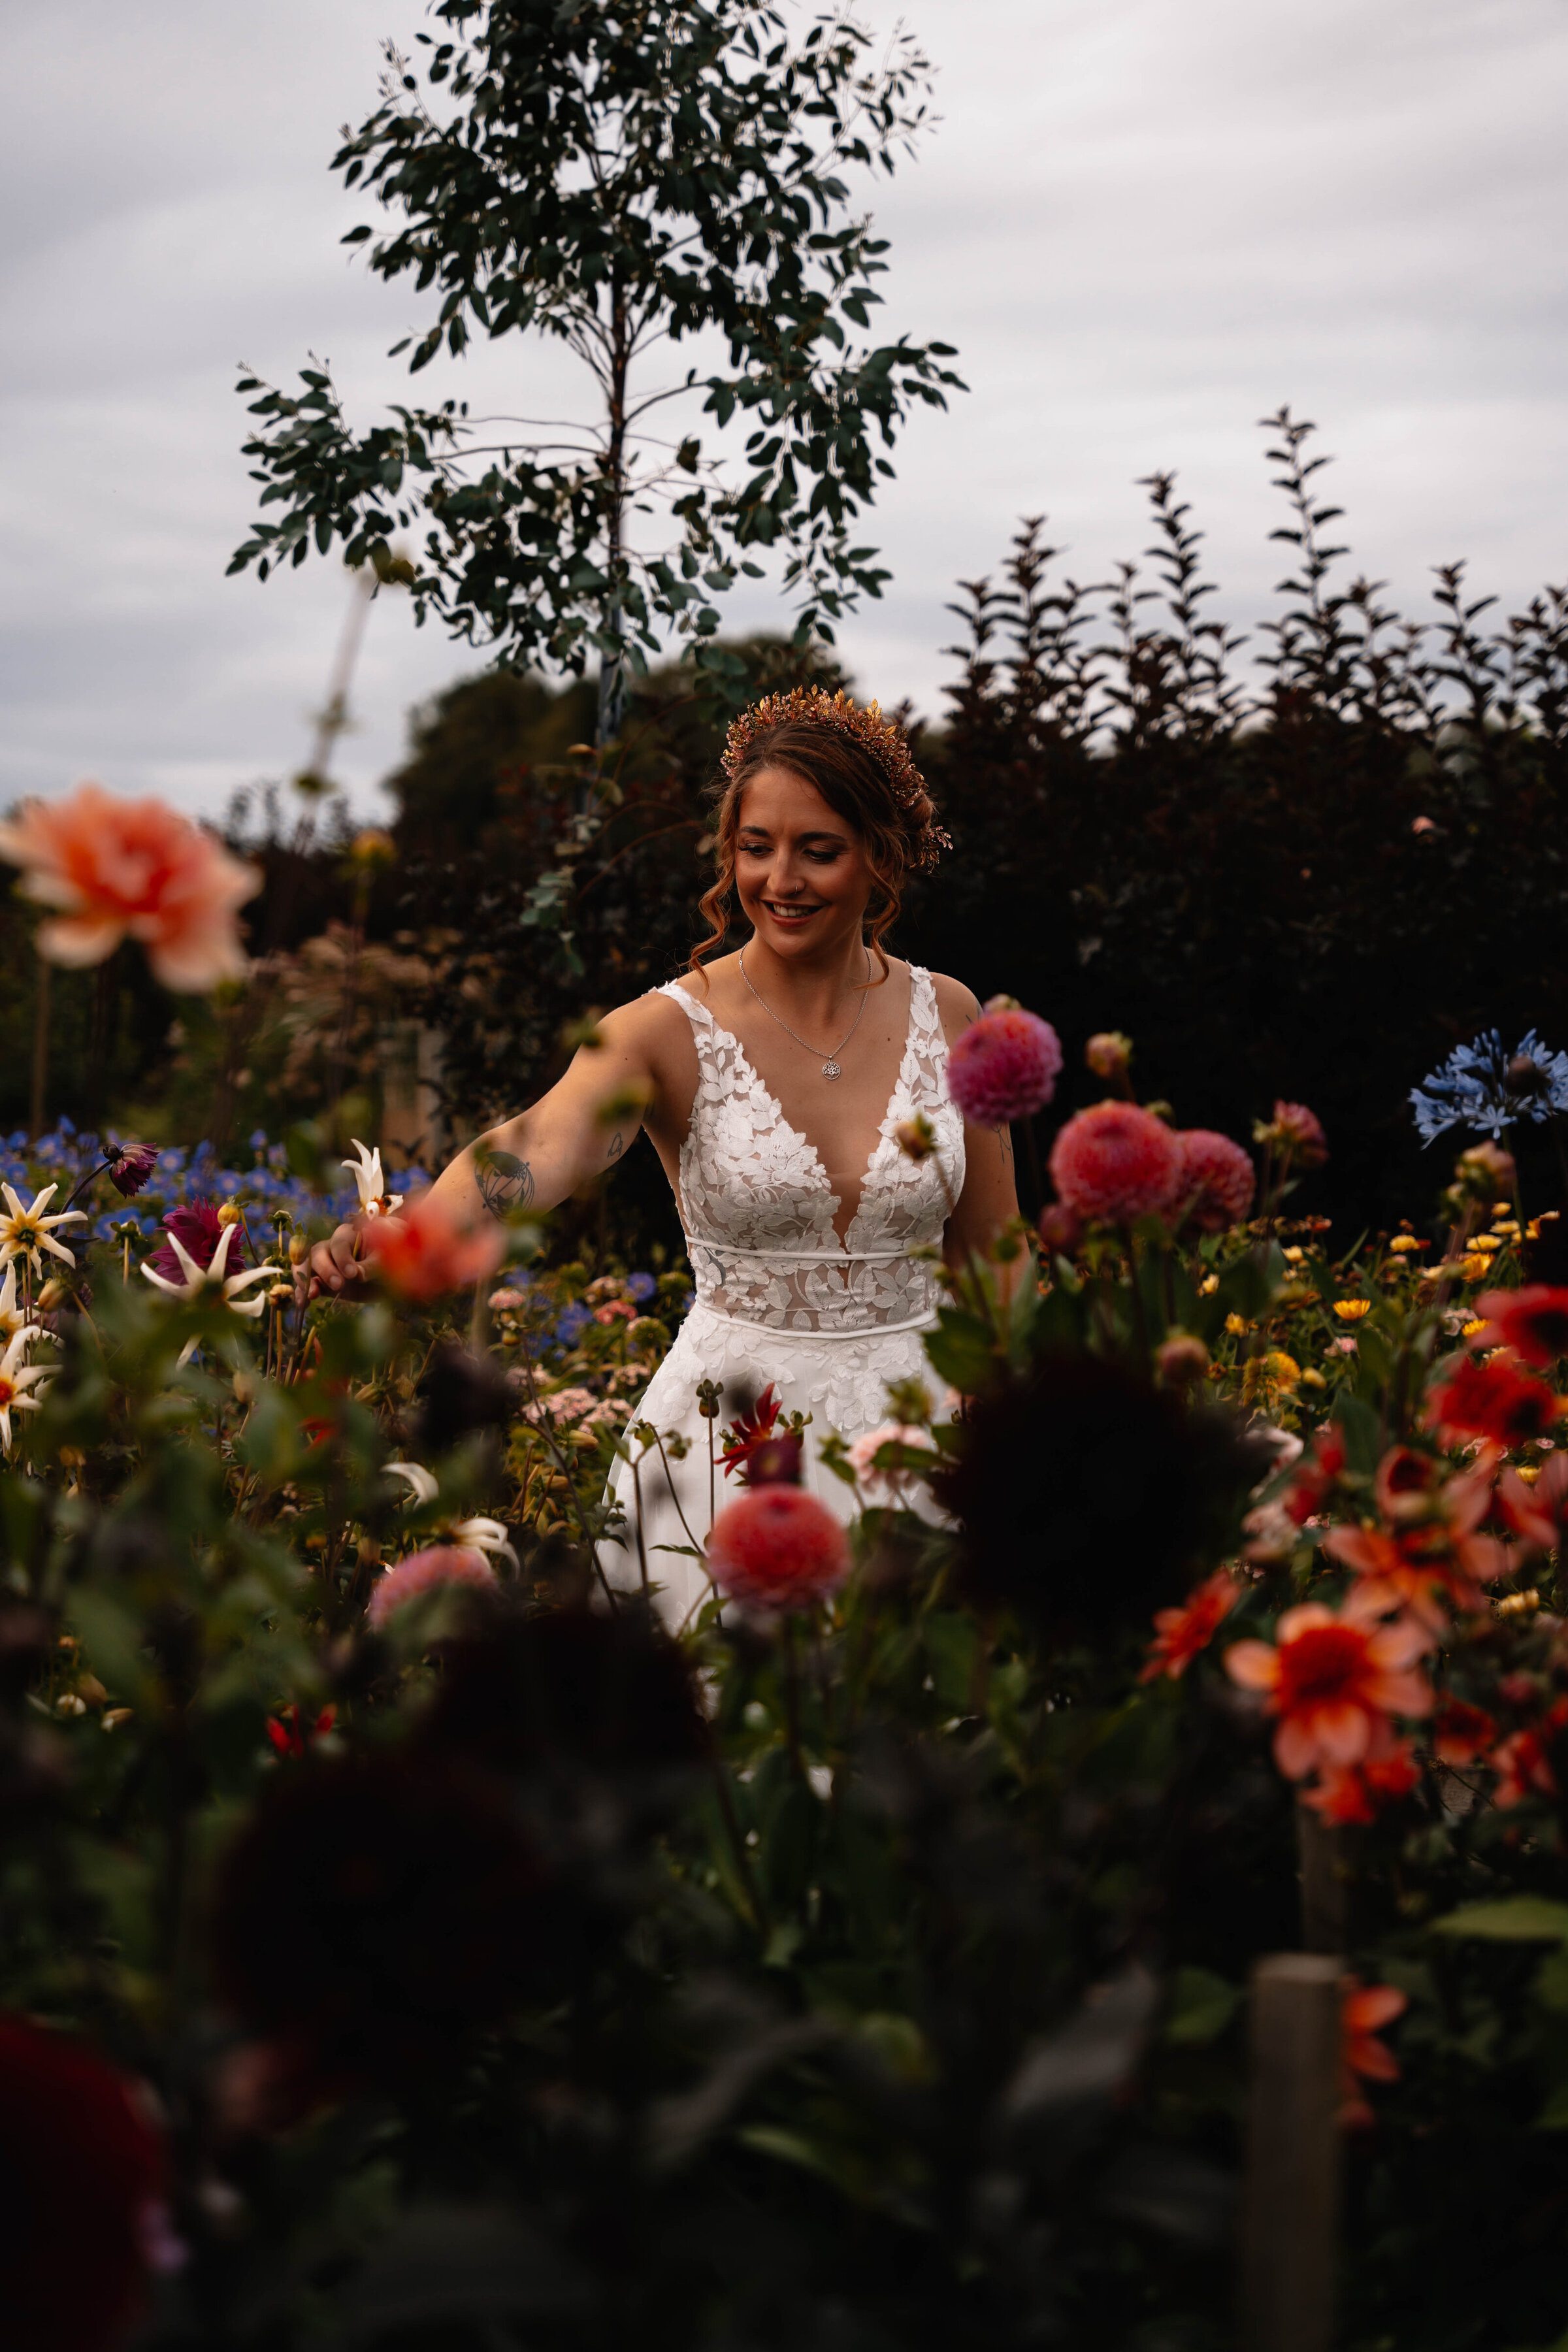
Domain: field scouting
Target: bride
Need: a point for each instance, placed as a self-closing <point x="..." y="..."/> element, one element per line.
<point x="771" y="1082"/>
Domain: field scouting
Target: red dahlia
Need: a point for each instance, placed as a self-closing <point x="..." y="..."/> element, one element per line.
<point x="1115" y="1162"/>
<point x="1216" y="1183"/>
<point x="777" y="1547"/>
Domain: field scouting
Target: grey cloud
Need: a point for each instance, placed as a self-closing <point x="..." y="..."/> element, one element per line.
<point x="1146" y="226"/>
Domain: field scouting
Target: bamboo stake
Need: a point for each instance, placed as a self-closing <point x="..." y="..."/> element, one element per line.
<point x="1290" y="2194"/>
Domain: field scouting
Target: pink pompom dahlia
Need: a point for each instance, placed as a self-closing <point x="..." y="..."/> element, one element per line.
<point x="428" y="1572"/>
<point x="1216" y="1183"/>
<point x="1114" y="1163"/>
<point x="777" y="1547"/>
<point x="1003" y="1067"/>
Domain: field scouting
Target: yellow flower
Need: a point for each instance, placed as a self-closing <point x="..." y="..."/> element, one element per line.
<point x="1208" y="1286"/>
<point x="1488" y="1242"/>
<point x="1476" y="1268"/>
<point x="1312" y="1379"/>
<point x="1528" y="1471"/>
<point x="1238" y="1326"/>
<point x="1469" y="1331"/>
<point x="1351" y="1310"/>
<point x="1282" y="1369"/>
<point x="1293" y="1256"/>
<point x="1403" y="1241"/>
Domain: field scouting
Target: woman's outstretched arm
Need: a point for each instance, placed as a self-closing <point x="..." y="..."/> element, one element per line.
<point x="589" y="1117"/>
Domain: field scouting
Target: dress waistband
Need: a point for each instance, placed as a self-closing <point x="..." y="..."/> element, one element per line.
<point x="925" y="1322"/>
<point x="797" y="1257"/>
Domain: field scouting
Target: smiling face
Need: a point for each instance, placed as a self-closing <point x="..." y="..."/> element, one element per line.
<point x="801" y="870"/>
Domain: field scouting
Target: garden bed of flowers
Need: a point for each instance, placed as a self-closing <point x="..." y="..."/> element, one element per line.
<point x="394" y="1919"/>
<point x="408" y="1940"/>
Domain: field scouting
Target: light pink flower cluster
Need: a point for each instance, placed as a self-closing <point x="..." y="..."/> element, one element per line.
<point x="428" y="1572"/>
<point x="883" y="1488"/>
<point x="1003" y="1067"/>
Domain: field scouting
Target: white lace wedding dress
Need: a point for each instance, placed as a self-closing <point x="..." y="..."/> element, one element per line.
<point x="779" y="1297"/>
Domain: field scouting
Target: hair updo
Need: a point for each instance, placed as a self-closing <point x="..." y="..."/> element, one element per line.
<point x="859" y="762"/>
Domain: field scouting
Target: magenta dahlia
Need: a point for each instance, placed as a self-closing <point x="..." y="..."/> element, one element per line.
<point x="1217" y="1181"/>
<point x="1004" y="1067"/>
<point x="1116" y="1161"/>
<point x="197" y="1227"/>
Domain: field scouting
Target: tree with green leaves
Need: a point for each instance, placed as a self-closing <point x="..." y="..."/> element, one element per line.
<point x="623" y="179"/>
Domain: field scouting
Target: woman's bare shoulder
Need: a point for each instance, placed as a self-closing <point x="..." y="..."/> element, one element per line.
<point x="957" y="1005"/>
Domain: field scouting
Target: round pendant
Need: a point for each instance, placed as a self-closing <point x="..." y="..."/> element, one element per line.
<point x="830" y="1069"/>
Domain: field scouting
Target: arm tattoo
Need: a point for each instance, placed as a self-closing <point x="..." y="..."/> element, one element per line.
<point x="1004" y="1138"/>
<point x="618" y="1145"/>
<point x="504" y="1183"/>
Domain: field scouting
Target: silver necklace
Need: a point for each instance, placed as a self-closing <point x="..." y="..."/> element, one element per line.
<point x="830" y="1068"/>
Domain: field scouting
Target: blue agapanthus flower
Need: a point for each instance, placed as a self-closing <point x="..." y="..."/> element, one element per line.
<point x="574" y="1320"/>
<point x="1483" y="1087"/>
<point x="640" y="1286"/>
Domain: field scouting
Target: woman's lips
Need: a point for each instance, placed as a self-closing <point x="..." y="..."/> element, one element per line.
<point x="783" y="911"/>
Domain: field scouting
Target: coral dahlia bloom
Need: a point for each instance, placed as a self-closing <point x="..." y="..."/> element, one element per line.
<point x="1356" y="1793"/>
<point x="777" y="1547"/>
<point x="1527" y="1762"/>
<point x="1461" y="1732"/>
<point x="1494" y="1400"/>
<point x="427" y="1251"/>
<point x="428" y="1572"/>
<point x="131" y="869"/>
<point x="1116" y="1161"/>
<point x="1533" y="1322"/>
<point x="1538" y="1513"/>
<point x="1216" y="1183"/>
<point x="1004" y="1067"/>
<point x="1332" y="1681"/>
<point x="1181" y="1633"/>
<point x="1364" y="2012"/>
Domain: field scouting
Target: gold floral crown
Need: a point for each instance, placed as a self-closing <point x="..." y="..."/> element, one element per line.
<point x="813" y="706"/>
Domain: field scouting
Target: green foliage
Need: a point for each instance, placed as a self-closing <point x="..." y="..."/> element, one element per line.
<point x="615" y="181"/>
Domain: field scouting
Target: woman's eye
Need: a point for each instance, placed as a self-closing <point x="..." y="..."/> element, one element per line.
<point x="823" y="856"/>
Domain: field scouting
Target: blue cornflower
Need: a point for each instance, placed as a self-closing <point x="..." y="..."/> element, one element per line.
<point x="1482" y="1086"/>
<point x="640" y="1286"/>
<point x="574" y="1320"/>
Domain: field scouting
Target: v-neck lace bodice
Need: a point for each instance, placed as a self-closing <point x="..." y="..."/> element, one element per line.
<point x="759" y="1210"/>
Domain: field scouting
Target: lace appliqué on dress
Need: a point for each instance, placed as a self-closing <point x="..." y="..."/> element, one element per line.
<point x="759" y="1210"/>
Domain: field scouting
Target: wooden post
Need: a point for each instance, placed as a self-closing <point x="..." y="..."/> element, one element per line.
<point x="1324" y="1891"/>
<point x="1290" y="2195"/>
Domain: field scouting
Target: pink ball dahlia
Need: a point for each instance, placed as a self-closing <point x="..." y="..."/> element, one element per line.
<point x="1114" y="1163"/>
<point x="428" y="1572"/>
<point x="1216" y="1183"/>
<point x="1004" y="1067"/>
<point x="777" y="1547"/>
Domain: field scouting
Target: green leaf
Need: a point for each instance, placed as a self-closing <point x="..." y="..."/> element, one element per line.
<point x="1516" y="1919"/>
<point x="1202" y="2006"/>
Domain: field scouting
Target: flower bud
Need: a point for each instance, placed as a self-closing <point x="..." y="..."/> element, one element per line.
<point x="1001" y="1004"/>
<point x="1108" y="1053"/>
<point x="916" y="1138"/>
<point x="230" y="1213"/>
<point x="1180" y="1359"/>
<point x="299" y="1249"/>
<point x="1060" y="1230"/>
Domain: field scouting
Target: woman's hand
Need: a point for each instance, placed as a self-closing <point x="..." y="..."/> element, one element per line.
<point x="333" y="1266"/>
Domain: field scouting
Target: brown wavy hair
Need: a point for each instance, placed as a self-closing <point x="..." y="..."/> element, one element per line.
<point x="856" y="787"/>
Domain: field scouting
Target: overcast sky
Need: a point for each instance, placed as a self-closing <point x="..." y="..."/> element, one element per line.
<point x="1144" y="222"/>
